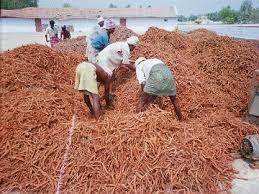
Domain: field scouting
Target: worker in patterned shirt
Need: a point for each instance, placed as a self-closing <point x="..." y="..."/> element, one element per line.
<point x="156" y="80"/>
<point x="52" y="32"/>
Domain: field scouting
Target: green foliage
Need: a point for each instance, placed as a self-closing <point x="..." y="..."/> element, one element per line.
<point x="255" y="16"/>
<point x="192" y="18"/>
<point x="128" y="6"/>
<point x="213" y="16"/>
<point x="245" y="12"/>
<point x="182" y="18"/>
<point x="112" y="6"/>
<point x="66" y="5"/>
<point x="228" y="15"/>
<point x="18" y="4"/>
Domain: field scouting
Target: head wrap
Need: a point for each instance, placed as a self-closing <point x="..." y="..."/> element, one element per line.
<point x="109" y="24"/>
<point x="133" y="40"/>
<point x="100" y="19"/>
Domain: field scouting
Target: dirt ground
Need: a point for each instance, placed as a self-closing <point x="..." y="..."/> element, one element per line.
<point x="15" y="39"/>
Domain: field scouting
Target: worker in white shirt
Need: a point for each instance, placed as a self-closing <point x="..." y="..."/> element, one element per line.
<point x="91" y="55"/>
<point x="114" y="55"/>
<point x="52" y="31"/>
<point x="156" y="79"/>
<point x="101" y="40"/>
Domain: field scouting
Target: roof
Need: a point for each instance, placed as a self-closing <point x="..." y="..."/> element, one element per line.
<point x="70" y="13"/>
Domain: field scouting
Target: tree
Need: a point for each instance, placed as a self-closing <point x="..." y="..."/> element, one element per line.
<point x="128" y="6"/>
<point x="18" y="4"/>
<point x="245" y="11"/>
<point x="228" y="15"/>
<point x="140" y="6"/>
<point x="255" y="16"/>
<point x="149" y="6"/>
<point x="66" y="5"/>
<point x="182" y="18"/>
<point x="192" y="18"/>
<point x="213" y="16"/>
<point x="112" y="6"/>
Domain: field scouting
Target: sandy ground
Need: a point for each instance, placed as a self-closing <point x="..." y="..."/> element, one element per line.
<point x="247" y="179"/>
<point x="15" y="39"/>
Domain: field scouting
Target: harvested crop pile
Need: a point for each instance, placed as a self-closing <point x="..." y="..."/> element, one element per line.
<point x="37" y="104"/>
<point x="153" y="152"/>
<point x="128" y="152"/>
<point x="73" y="45"/>
<point x="121" y="33"/>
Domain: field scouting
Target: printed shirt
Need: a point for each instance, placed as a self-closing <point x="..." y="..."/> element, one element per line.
<point x="143" y="69"/>
<point x="51" y="32"/>
<point x="113" y="55"/>
<point x="100" y="41"/>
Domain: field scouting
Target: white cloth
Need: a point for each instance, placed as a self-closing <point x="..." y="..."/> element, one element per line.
<point x="133" y="40"/>
<point x="90" y="51"/>
<point x="51" y="32"/>
<point x="109" y="24"/>
<point x="100" y="19"/>
<point x="143" y="68"/>
<point x="113" y="55"/>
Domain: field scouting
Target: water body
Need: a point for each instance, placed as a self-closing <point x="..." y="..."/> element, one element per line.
<point x="237" y="31"/>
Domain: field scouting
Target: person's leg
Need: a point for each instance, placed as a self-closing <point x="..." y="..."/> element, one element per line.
<point x="96" y="105"/>
<point x="88" y="102"/>
<point x="177" y="108"/>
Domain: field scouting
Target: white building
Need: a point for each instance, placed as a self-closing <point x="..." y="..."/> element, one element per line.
<point x="137" y="19"/>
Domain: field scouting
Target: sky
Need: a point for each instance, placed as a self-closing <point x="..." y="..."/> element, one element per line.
<point x="184" y="7"/>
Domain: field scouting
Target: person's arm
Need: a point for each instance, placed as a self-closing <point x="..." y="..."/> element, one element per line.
<point x="177" y="108"/>
<point x="61" y="35"/>
<point x="46" y="35"/>
<point x="107" y="85"/>
<point x="130" y="66"/>
<point x="142" y="85"/>
<point x="141" y="77"/>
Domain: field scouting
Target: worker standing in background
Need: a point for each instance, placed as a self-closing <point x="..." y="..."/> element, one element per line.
<point x="114" y="55"/>
<point x="65" y="34"/>
<point x="155" y="79"/>
<point x="52" y="31"/>
<point x="92" y="35"/>
<point x="101" y="40"/>
<point x="87" y="76"/>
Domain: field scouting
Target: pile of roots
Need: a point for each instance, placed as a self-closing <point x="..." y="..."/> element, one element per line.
<point x="73" y="45"/>
<point x="126" y="151"/>
<point x="121" y="34"/>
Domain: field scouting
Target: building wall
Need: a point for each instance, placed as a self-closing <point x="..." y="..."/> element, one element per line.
<point x="17" y="25"/>
<point x="139" y="25"/>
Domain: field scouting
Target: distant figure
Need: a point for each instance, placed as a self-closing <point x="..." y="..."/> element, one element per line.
<point x="97" y="29"/>
<point x="101" y="40"/>
<point x="52" y="31"/>
<point x="65" y="34"/>
<point x="155" y="79"/>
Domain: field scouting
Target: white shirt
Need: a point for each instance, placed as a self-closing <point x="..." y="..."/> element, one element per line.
<point x="113" y="55"/>
<point x="143" y="69"/>
<point x="51" y="32"/>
